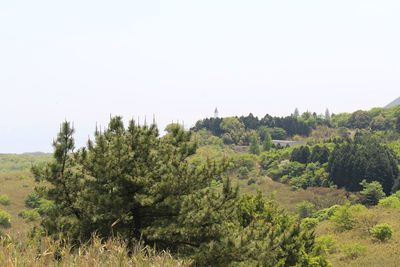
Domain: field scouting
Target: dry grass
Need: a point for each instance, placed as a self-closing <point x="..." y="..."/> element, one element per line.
<point x="378" y="253"/>
<point x="288" y="198"/>
<point x="16" y="185"/>
<point x="114" y="252"/>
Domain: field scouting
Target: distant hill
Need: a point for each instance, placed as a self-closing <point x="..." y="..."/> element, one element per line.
<point x="393" y="103"/>
<point x="38" y="153"/>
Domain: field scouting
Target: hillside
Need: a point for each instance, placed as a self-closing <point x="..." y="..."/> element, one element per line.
<point x="394" y="103"/>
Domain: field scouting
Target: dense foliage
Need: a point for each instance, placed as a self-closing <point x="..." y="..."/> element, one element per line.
<point x="130" y="182"/>
<point x="363" y="158"/>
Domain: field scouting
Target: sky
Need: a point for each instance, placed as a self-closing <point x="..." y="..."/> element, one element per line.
<point x="85" y="60"/>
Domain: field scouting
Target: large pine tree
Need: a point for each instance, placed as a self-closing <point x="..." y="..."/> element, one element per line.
<point x="132" y="183"/>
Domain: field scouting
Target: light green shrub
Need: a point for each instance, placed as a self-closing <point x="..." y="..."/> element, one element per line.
<point x="353" y="251"/>
<point x="5" y="200"/>
<point x="29" y="215"/>
<point x="343" y="216"/>
<point x="382" y="232"/>
<point x="326" y="243"/>
<point x="390" y="202"/>
<point x="5" y="218"/>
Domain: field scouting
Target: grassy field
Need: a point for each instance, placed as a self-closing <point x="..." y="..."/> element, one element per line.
<point x="18" y="250"/>
<point x="376" y="253"/>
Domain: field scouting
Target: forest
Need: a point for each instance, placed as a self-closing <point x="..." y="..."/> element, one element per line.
<point x="223" y="193"/>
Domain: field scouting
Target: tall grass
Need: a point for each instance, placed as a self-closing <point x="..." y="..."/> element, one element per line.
<point x="113" y="252"/>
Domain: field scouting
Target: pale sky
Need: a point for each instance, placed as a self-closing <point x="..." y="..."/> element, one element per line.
<point x="84" y="60"/>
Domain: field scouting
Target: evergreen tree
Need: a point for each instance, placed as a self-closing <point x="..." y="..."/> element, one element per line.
<point x="267" y="144"/>
<point x="134" y="184"/>
<point x="364" y="158"/>
<point x="296" y="113"/>
<point x="301" y="154"/>
<point x="327" y="115"/>
<point x="254" y="145"/>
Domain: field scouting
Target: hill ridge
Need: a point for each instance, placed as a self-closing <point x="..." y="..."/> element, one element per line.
<point x="393" y="103"/>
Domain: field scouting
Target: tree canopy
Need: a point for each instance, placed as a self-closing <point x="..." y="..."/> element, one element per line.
<point x="131" y="183"/>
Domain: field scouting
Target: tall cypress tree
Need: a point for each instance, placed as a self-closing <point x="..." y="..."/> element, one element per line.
<point x="267" y="144"/>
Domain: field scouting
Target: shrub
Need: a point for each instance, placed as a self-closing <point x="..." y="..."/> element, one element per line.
<point x="353" y="251"/>
<point x="382" y="232"/>
<point x="243" y="172"/>
<point x="309" y="223"/>
<point x="32" y="200"/>
<point x="372" y="191"/>
<point x="5" y="200"/>
<point x="5" y="218"/>
<point x="390" y="202"/>
<point x="343" y="218"/>
<point x="251" y="181"/>
<point x="305" y="209"/>
<point x="326" y="242"/>
<point x="29" y="215"/>
<point x="325" y="214"/>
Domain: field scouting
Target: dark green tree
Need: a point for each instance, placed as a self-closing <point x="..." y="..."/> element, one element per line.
<point x="363" y="158"/>
<point x="131" y="183"/>
<point x="319" y="154"/>
<point x="301" y="154"/>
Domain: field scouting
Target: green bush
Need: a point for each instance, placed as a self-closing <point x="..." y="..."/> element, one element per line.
<point x="353" y="251"/>
<point x="5" y="200"/>
<point x="243" y="172"/>
<point x="32" y="200"/>
<point x="309" y="223"/>
<point x="251" y="181"/>
<point x="305" y="209"/>
<point x="5" y="218"/>
<point x="390" y="202"/>
<point x="382" y="232"/>
<point x="343" y="218"/>
<point x="326" y="243"/>
<point x="29" y="215"/>
<point x="325" y="214"/>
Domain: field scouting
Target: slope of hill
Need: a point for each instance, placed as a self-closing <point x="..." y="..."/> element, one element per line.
<point x="393" y="103"/>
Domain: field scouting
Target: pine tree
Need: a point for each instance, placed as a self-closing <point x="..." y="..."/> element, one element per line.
<point x="267" y="144"/>
<point x="131" y="183"/>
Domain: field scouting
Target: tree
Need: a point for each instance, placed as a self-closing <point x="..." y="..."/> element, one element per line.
<point x="372" y="191"/>
<point x="267" y="144"/>
<point x="131" y="183"/>
<point x="364" y="158"/>
<point x="301" y="154"/>
<point x="319" y="154"/>
<point x="233" y="131"/>
<point x="359" y="120"/>
<point x="327" y="115"/>
<point x="296" y="113"/>
<point x="254" y="145"/>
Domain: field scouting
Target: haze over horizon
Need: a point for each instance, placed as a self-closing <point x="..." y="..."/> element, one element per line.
<point x="178" y="60"/>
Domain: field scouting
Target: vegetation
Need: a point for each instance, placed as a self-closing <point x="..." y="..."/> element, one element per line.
<point x="5" y="200"/>
<point x="144" y="188"/>
<point x="174" y="193"/>
<point x="382" y="232"/>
